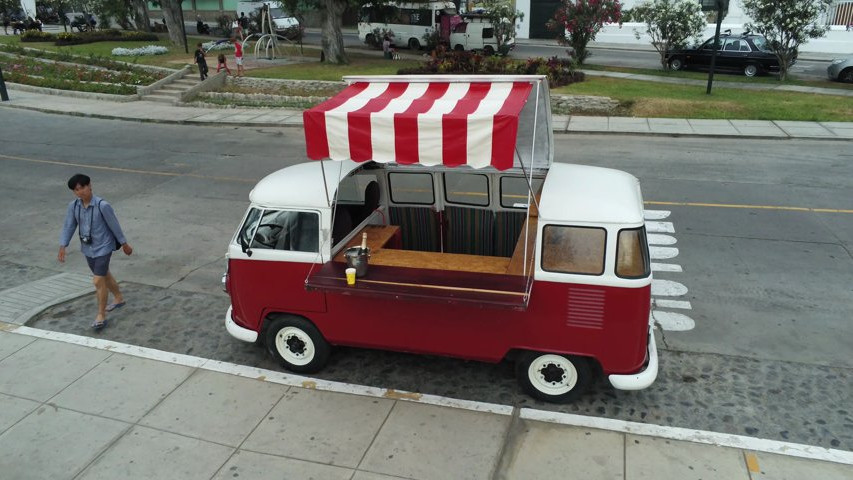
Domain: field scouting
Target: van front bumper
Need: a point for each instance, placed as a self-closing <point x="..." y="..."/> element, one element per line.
<point x="646" y="377"/>
<point x="237" y="331"/>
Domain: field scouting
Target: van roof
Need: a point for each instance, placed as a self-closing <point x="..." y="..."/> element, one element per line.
<point x="301" y="185"/>
<point x="584" y="194"/>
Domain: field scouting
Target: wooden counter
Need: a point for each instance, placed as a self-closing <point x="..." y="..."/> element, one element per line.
<point x="378" y="236"/>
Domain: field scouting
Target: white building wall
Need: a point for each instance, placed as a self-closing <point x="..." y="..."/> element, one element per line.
<point x="836" y="41"/>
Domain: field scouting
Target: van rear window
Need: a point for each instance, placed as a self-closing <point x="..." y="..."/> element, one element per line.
<point x="632" y="254"/>
<point x="578" y="250"/>
<point x="466" y="189"/>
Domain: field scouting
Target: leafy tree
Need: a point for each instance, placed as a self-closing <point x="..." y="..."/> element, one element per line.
<point x="581" y="20"/>
<point x="504" y="17"/>
<point x="786" y="24"/>
<point x="670" y="23"/>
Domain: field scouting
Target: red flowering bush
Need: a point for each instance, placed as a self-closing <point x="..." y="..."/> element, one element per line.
<point x="578" y="21"/>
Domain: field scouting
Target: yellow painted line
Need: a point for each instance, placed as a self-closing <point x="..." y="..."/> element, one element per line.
<point x="752" y="462"/>
<point x="752" y="207"/>
<point x="128" y="170"/>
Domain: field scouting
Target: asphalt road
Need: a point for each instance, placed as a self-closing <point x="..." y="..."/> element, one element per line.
<point x="613" y="57"/>
<point x="759" y="344"/>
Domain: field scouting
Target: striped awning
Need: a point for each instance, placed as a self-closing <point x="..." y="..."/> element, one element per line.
<point x="448" y="123"/>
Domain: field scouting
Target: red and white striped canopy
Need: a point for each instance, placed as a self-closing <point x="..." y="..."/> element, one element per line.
<point x="448" y="123"/>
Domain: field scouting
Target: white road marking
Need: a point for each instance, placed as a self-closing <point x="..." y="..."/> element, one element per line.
<point x="682" y="304"/>
<point x="662" y="253"/>
<point x="690" y="435"/>
<point x="660" y="227"/>
<point x="668" y="288"/>
<point x="620" y="426"/>
<point x="666" y="267"/>
<point x="658" y="239"/>
<point x="673" y="322"/>
<point x="656" y="214"/>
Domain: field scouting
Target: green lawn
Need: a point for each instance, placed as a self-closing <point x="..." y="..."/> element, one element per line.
<point x="638" y="98"/>
<point x="649" y="99"/>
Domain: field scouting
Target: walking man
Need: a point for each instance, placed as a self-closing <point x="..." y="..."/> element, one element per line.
<point x="100" y="234"/>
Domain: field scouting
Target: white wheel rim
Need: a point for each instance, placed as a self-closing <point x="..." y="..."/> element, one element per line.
<point x="750" y="71"/>
<point x="552" y="374"/>
<point x="294" y="346"/>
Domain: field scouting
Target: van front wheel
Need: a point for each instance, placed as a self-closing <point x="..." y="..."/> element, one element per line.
<point x="297" y="344"/>
<point x="553" y="378"/>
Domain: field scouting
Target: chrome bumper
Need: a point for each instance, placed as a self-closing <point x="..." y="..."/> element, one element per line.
<point x="646" y="377"/>
<point x="237" y="331"/>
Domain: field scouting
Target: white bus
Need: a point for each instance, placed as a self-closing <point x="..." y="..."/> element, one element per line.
<point x="409" y="22"/>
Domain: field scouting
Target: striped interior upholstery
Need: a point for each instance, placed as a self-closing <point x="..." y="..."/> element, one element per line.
<point x="418" y="227"/>
<point x="470" y="230"/>
<point x="508" y="227"/>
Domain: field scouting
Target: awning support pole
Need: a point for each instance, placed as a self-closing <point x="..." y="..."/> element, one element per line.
<point x="529" y="178"/>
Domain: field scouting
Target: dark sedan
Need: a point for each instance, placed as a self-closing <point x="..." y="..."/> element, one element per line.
<point x="742" y="53"/>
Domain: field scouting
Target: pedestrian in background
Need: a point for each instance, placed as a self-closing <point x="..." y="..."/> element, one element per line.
<point x="222" y="63"/>
<point x="201" y="61"/>
<point x="6" y="24"/>
<point x="100" y="233"/>
<point x="386" y="47"/>
<point x="238" y="56"/>
<point x="238" y="29"/>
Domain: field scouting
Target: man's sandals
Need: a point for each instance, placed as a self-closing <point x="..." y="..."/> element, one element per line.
<point x="98" y="326"/>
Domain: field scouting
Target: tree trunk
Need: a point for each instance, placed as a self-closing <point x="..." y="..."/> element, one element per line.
<point x="140" y="15"/>
<point x="333" y="39"/>
<point x="172" y="14"/>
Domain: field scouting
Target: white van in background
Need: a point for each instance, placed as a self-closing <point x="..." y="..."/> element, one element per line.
<point x="475" y="34"/>
<point x="283" y="23"/>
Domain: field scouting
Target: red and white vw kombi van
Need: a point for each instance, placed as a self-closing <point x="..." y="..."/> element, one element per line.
<point x="480" y="247"/>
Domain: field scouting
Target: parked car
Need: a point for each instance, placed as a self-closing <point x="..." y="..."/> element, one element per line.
<point x="746" y="53"/>
<point x="841" y="69"/>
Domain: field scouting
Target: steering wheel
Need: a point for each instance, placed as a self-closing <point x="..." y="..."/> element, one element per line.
<point x="273" y="228"/>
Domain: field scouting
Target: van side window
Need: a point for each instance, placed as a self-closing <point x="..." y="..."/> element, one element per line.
<point x="514" y="191"/>
<point x="632" y="254"/>
<point x="577" y="250"/>
<point x="488" y="33"/>
<point x="287" y="230"/>
<point x="411" y="188"/>
<point x="466" y="188"/>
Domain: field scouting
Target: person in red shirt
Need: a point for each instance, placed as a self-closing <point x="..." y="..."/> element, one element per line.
<point x="238" y="55"/>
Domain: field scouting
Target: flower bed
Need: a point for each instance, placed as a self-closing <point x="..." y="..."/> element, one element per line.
<point x="38" y="73"/>
<point x="135" y="52"/>
<point x="90" y="60"/>
<point x="37" y="36"/>
<point x="218" y="45"/>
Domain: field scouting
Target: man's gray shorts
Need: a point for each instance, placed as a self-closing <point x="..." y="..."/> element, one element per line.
<point x="100" y="266"/>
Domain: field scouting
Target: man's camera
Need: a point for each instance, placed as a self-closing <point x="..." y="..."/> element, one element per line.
<point x="86" y="239"/>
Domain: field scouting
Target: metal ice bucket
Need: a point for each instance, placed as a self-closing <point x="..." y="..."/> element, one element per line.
<point x="357" y="259"/>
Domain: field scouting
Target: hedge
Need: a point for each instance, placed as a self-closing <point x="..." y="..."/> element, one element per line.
<point x="111" y="35"/>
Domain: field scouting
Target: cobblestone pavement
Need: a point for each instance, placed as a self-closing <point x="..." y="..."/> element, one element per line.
<point x="775" y="400"/>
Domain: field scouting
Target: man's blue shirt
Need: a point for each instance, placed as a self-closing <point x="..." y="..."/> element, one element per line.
<point x="101" y="225"/>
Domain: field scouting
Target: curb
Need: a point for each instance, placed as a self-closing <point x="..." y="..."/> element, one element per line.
<point x="562" y="131"/>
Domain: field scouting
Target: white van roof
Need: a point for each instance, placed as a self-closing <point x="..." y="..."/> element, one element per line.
<point x="301" y="185"/>
<point x="584" y="194"/>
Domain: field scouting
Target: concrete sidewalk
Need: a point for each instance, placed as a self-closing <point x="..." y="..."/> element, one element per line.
<point x="80" y="408"/>
<point x="145" y="111"/>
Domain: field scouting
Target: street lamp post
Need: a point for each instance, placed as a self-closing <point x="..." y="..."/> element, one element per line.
<point x="183" y="27"/>
<point x="719" y="6"/>
<point x="3" y="95"/>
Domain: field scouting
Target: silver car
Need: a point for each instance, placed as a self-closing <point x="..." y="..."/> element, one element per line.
<point x="841" y="69"/>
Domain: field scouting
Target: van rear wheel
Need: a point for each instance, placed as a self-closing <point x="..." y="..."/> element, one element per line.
<point x="297" y="344"/>
<point x="553" y="378"/>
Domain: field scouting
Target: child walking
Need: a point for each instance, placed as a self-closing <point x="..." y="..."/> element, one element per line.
<point x="222" y="64"/>
<point x="201" y="61"/>
<point x="238" y="55"/>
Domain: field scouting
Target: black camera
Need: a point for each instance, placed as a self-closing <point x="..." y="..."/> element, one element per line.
<point x="86" y="239"/>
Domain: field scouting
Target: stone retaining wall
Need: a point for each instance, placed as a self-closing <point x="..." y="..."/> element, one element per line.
<point x="560" y="103"/>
